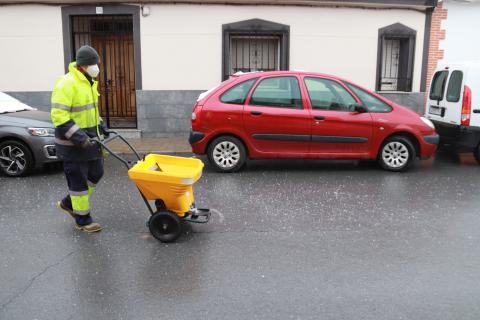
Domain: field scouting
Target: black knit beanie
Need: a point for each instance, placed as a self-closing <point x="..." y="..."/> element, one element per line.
<point x="87" y="56"/>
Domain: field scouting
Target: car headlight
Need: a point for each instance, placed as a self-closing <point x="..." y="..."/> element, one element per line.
<point x="428" y="122"/>
<point x="42" y="132"/>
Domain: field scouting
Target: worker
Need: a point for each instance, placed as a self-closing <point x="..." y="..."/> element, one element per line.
<point x="76" y="119"/>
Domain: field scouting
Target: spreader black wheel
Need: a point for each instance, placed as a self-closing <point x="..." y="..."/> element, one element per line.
<point x="166" y="226"/>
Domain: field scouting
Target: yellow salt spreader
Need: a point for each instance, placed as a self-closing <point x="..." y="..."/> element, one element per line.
<point x="168" y="182"/>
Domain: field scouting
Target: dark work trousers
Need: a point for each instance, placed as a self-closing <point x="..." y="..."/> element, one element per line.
<point x="82" y="178"/>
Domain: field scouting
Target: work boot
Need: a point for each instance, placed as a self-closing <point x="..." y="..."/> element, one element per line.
<point x="86" y="224"/>
<point x="66" y="207"/>
<point x="83" y="222"/>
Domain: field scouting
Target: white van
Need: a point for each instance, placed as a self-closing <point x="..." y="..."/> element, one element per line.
<point x="453" y="105"/>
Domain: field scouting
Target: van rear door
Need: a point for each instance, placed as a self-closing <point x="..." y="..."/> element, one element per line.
<point x="435" y="109"/>
<point x="453" y="97"/>
<point x="445" y="98"/>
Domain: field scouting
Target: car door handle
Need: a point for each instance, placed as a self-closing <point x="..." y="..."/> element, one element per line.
<point x="476" y="111"/>
<point x="256" y="113"/>
<point x="319" y="117"/>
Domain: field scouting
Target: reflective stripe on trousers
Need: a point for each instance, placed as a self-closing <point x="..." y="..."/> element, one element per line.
<point x="82" y="177"/>
<point x="80" y="204"/>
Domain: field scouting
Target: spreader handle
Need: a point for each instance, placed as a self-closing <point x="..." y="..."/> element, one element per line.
<point x="114" y="135"/>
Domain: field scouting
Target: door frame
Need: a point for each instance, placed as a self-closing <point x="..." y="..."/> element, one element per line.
<point x="85" y="10"/>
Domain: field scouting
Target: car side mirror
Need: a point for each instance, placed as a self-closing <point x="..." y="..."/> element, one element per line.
<point x="357" y="107"/>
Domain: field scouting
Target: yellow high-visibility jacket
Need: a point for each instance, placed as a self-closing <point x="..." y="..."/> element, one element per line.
<point x="75" y="116"/>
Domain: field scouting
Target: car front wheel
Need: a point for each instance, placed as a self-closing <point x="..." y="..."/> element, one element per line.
<point x="397" y="154"/>
<point x="15" y="158"/>
<point x="227" y="154"/>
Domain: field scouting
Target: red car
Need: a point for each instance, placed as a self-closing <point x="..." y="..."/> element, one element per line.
<point x="283" y="114"/>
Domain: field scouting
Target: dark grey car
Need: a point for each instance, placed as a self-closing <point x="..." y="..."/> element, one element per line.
<point x="26" y="137"/>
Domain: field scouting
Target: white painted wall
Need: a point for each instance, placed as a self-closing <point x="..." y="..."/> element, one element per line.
<point x="462" y="28"/>
<point x="31" y="54"/>
<point x="182" y="44"/>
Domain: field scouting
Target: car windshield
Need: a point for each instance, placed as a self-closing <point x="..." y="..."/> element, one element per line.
<point x="10" y="104"/>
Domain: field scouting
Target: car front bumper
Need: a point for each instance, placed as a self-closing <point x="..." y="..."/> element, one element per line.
<point x="43" y="149"/>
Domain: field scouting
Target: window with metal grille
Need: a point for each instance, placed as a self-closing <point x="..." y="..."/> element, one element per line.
<point x="390" y="62"/>
<point x="254" y="45"/>
<point x="254" y="53"/>
<point x="396" y="49"/>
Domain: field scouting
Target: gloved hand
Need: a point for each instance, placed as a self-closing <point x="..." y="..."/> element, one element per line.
<point x="87" y="144"/>
<point x="104" y="130"/>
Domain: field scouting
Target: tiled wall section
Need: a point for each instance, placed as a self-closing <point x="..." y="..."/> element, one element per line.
<point x="38" y="99"/>
<point x="165" y="112"/>
<point x="412" y="100"/>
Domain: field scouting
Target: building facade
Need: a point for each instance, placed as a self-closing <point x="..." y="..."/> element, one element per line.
<point x="454" y="31"/>
<point x="158" y="56"/>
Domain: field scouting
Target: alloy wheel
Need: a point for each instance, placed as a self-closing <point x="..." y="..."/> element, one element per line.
<point x="12" y="160"/>
<point x="395" y="154"/>
<point x="226" y="155"/>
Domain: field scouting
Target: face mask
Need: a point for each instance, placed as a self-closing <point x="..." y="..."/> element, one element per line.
<point x="93" y="71"/>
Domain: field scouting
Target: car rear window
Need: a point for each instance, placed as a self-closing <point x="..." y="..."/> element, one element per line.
<point x="372" y="103"/>
<point x="454" y="86"/>
<point x="238" y="93"/>
<point x="280" y="92"/>
<point x="438" y="85"/>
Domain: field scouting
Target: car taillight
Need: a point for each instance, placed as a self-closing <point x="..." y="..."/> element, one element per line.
<point x="466" y="106"/>
<point x="196" y="112"/>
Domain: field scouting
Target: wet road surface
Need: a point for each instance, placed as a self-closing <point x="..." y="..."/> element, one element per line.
<point x="287" y="240"/>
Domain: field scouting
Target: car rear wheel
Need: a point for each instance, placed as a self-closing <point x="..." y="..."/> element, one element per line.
<point x="15" y="158"/>
<point x="227" y="154"/>
<point x="397" y="154"/>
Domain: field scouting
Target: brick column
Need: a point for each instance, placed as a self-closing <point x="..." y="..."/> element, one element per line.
<point x="436" y="35"/>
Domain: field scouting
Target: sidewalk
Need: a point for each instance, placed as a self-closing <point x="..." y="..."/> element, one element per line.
<point x="153" y="145"/>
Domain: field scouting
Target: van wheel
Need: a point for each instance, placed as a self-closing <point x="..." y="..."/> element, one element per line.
<point x="227" y="154"/>
<point x="476" y="153"/>
<point x="15" y="158"/>
<point x="396" y="154"/>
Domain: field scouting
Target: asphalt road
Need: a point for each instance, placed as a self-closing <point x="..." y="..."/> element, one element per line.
<point x="288" y="240"/>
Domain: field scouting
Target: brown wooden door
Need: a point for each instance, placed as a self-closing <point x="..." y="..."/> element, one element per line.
<point x="112" y="37"/>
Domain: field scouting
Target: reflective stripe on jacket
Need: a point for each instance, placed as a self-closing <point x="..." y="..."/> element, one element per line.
<point x="75" y="115"/>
